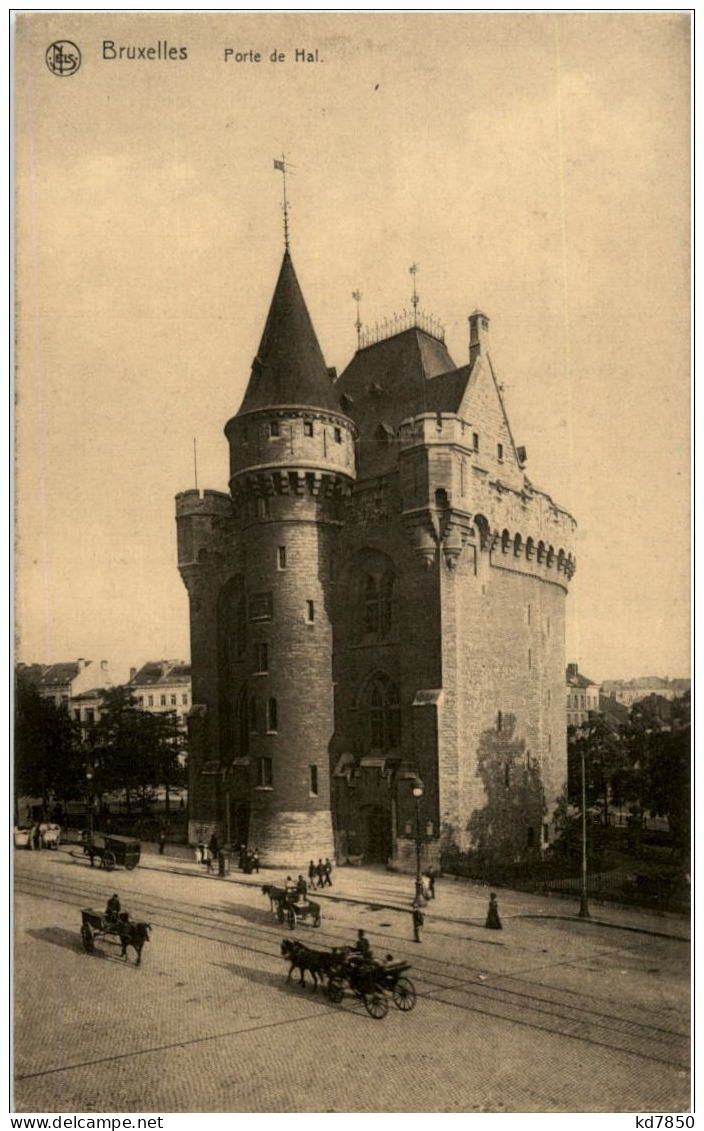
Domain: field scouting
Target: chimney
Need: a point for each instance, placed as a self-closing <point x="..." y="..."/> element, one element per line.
<point x="478" y="334"/>
<point x="133" y="672"/>
<point x="81" y="663"/>
<point x="572" y="670"/>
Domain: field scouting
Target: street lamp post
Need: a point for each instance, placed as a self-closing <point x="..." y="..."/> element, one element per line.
<point x="417" y="794"/>
<point x="89" y="790"/>
<point x="583" y="902"/>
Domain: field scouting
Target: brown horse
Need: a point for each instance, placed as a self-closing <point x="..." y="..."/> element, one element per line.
<point x="301" y="957"/>
<point x="134" y="935"/>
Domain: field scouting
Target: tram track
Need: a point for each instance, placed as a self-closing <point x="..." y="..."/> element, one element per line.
<point x="513" y="998"/>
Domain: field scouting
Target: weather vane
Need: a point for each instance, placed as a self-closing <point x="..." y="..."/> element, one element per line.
<point x="282" y="168"/>
<point x="357" y="296"/>
<point x="413" y="270"/>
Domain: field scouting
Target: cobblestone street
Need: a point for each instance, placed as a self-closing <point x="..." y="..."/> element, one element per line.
<point x="550" y="1014"/>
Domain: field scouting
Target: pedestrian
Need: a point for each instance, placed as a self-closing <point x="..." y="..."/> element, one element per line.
<point x="301" y="888"/>
<point x="289" y="886"/>
<point x="162" y="840"/>
<point x="418" y="921"/>
<point x="208" y="859"/>
<point x="42" y="834"/>
<point x="254" y="860"/>
<point x="243" y="856"/>
<point x="327" y="866"/>
<point x="320" y="872"/>
<point x="36" y="838"/>
<point x="492" y="918"/>
<point x="112" y="909"/>
<point x="200" y="852"/>
<point x="431" y="883"/>
<point x="311" y="874"/>
<point x="214" y="846"/>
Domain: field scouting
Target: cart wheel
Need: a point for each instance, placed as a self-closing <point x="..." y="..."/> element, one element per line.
<point x="87" y="938"/>
<point x="130" y="864"/>
<point x="376" y="1005"/>
<point x="336" y="991"/>
<point x="109" y="861"/>
<point x="404" y="994"/>
<point x="291" y="919"/>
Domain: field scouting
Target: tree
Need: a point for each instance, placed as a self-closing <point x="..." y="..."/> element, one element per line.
<point x="47" y="753"/>
<point x="606" y="764"/>
<point x="135" y="750"/>
<point x="659" y="736"/>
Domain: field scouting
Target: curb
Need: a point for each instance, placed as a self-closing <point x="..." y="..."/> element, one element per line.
<point x="436" y="917"/>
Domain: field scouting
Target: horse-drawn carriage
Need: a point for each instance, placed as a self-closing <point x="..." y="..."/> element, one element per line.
<point x="292" y="908"/>
<point x="114" y="850"/>
<point x="119" y="928"/>
<point x="347" y="971"/>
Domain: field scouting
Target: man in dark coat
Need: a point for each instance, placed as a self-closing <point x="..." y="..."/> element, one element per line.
<point x="362" y="947"/>
<point x="113" y="908"/>
<point x="327" y="872"/>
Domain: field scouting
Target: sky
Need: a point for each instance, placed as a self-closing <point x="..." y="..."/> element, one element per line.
<point x="533" y="165"/>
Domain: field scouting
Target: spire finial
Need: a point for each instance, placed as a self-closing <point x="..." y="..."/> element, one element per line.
<point x="357" y="296"/>
<point x="281" y="167"/>
<point x="413" y="270"/>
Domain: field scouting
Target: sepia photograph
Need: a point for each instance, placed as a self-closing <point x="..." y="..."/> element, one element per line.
<point x="351" y="646"/>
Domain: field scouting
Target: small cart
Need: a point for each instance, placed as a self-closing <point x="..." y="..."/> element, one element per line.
<point x="115" y="850"/>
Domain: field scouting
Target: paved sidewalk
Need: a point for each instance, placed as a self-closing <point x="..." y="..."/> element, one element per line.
<point x="458" y="900"/>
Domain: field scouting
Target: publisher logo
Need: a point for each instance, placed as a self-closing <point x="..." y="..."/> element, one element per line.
<point x="63" y="58"/>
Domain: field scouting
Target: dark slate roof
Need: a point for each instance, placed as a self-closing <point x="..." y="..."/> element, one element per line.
<point x="289" y="368"/>
<point x="615" y="711"/>
<point x="161" y="672"/>
<point x="580" y="680"/>
<point x="394" y="379"/>
<point x="56" y="675"/>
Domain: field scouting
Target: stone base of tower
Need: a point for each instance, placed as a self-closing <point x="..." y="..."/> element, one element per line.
<point x="292" y="839"/>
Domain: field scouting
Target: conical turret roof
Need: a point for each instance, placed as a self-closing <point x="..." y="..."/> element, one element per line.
<point x="289" y="368"/>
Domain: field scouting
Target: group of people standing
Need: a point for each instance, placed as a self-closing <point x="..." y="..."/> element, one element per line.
<point x="320" y="874"/>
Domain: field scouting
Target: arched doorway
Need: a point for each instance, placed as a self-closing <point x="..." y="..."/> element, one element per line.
<point x="376" y="831"/>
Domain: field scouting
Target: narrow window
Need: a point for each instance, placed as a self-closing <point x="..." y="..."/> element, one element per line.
<point x="261" y="657"/>
<point x="499" y="720"/>
<point x="265" y="775"/>
<point x="475" y="441"/>
<point x="310" y="611"/>
<point x="141" y="700"/>
<point x="313" y="782"/>
<point x="549" y="742"/>
<point x="184" y="700"/>
<point x="529" y="614"/>
<point x="507" y="774"/>
<point x="338" y="435"/>
<point x="151" y="700"/>
<point x="173" y="700"/>
<point x="500" y="452"/>
<point x="530" y="659"/>
<point x="162" y="700"/>
<point x="307" y="427"/>
<point x="272" y="716"/>
<point x="531" y="837"/>
<point x="546" y="834"/>
<point x="274" y="428"/>
<point x="281" y="557"/>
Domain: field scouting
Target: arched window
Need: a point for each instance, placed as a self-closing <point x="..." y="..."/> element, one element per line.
<point x="529" y="548"/>
<point x="505" y="539"/>
<point x="550" y="557"/>
<point x="377" y="596"/>
<point x="384" y="714"/>
<point x="541" y="551"/>
<point x="517" y="546"/>
<point x="560" y="559"/>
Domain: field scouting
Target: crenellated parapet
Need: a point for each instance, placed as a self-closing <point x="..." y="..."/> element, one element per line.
<point x="205" y="523"/>
<point x="269" y="443"/>
<point x="453" y="495"/>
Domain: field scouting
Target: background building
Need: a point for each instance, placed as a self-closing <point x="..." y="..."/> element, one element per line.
<point x="582" y="696"/>
<point x="378" y="605"/>
<point x="629" y="691"/>
<point x="66" y="683"/>
<point x="163" y="685"/>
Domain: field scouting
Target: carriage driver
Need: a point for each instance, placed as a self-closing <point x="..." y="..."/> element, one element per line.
<point x="112" y="911"/>
<point x="361" y="948"/>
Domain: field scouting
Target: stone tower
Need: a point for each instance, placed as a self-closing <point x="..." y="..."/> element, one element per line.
<point x="261" y="632"/>
<point x="377" y="609"/>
